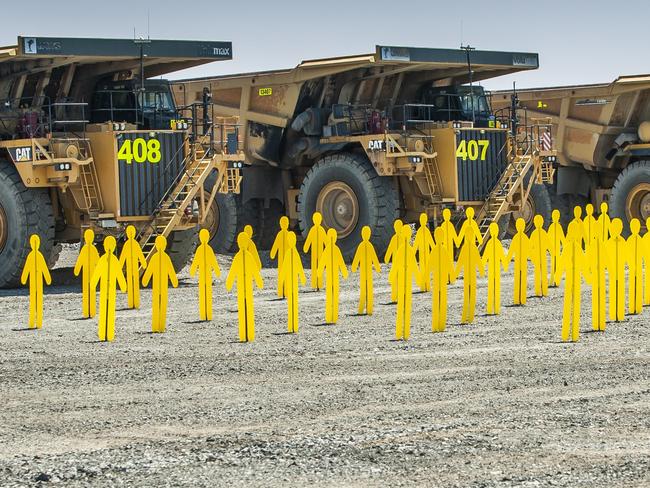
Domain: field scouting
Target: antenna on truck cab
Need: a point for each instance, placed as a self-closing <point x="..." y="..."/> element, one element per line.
<point x="468" y="49"/>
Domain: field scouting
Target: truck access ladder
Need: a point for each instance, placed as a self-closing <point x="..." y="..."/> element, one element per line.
<point x="433" y="178"/>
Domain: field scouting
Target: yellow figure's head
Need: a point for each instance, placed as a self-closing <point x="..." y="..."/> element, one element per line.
<point x="110" y="244"/>
<point x="34" y="242"/>
<point x="397" y="225"/>
<point x="284" y="222"/>
<point x="423" y="219"/>
<point x="406" y="233"/>
<point x="160" y="243"/>
<point x="577" y="212"/>
<point x="317" y="218"/>
<point x="130" y="231"/>
<point x="520" y="225"/>
<point x="242" y="241"/>
<point x="439" y="235"/>
<point x="589" y="209"/>
<point x="604" y="208"/>
<point x="89" y="236"/>
<point x="446" y="214"/>
<point x="332" y="235"/>
<point x="204" y="236"/>
<point x="494" y="230"/>
<point x="291" y="240"/>
<point x="635" y="226"/>
<point x="555" y="216"/>
<point x="616" y="227"/>
<point x="538" y="221"/>
<point x="365" y="233"/>
<point x="469" y="213"/>
<point x="249" y="230"/>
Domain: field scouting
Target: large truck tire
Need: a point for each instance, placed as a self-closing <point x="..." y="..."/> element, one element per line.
<point x="269" y="223"/>
<point x="349" y="193"/>
<point x="630" y="196"/>
<point x="23" y="212"/>
<point x="181" y="245"/>
<point x="537" y="203"/>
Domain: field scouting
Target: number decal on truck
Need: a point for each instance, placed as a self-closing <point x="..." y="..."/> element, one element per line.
<point x="140" y="151"/>
<point x="472" y="149"/>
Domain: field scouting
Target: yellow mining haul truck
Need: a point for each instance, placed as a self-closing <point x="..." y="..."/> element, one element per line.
<point x="602" y="137"/>
<point x="367" y="139"/>
<point x="87" y="140"/>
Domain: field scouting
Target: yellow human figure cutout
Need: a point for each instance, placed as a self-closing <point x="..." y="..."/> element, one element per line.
<point x="556" y="239"/>
<point x="449" y="235"/>
<point x="86" y="262"/>
<point x="577" y="226"/>
<point x="603" y="222"/>
<point x="574" y="266"/>
<point x="315" y="242"/>
<point x="252" y="247"/>
<point x="469" y="262"/>
<point x="616" y="249"/>
<point x="292" y="273"/>
<point x="108" y="274"/>
<point x="390" y="254"/>
<point x="494" y="258"/>
<point x="331" y="264"/>
<point x="278" y="249"/>
<point x="519" y="251"/>
<point x="403" y="272"/>
<point x="365" y="259"/>
<point x="539" y="247"/>
<point x="441" y="267"/>
<point x="469" y="223"/>
<point x="590" y="224"/>
<point x="597" y="260"/>
<point x="36" y="272"/>
<point x="205" y="263"/>
<point x="646" y="262"/>
<point x="635" y="268"/>
<point x="161" y="272"/>
<point x="244" y="272"/>
<point x="423" y="243"/>
<point x="133" y="258"/>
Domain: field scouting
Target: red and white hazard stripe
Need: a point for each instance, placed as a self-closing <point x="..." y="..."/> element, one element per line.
<point x="545" y="141"/>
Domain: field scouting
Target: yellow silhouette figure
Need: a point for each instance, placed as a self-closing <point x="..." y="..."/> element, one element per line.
<point x="519" y="251"/>
<point x="134" y="259"/>
<point x="108" y="274"/>
<point x="404" y="271"/>
<point x="441" y="266"/>
<point x="597" y="259"/>
<point x="292" y="273"/>
<point x="205" y="263"/>
<point x="279" y="248"/>
<point x="161" y="272"/>
<point x="423" y="243"/>
<point x="244" y="271"/>
<point x="494" y="258"/>
<point x="590" y="224"/>
<point x="556" y="239"/>
<point x="390" y="254"/>
<point x="448" y="231"/>
<point x="574" y="266"/>
<point x="365" y="259"/>
<point x="332" y="264"/>
<point x="469" y="262"/>
<point x="252" y="247"/>
<point x="469" y="223"/>
<point x="616" y="259"/>
<point x="577" y="226"/>
<point x="86" y="262"/>
<point x="315" y="241"/>
<point x="36" y="272"/>
<point x="539" y="247"/>
<point x="646" y="261"/>
<point x="635" y="267"/>
<point x="603" y="222"/>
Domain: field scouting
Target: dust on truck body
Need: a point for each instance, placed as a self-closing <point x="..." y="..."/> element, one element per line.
<point x="602" y="137"/>
<point x="88" y="141"/>
<point x="366" y="139"/>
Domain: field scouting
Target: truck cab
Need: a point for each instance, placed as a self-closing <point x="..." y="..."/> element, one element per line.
<point x="458" y="103"/>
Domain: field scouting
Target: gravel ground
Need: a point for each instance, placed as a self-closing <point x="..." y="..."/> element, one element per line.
<point x="501" y="402"/>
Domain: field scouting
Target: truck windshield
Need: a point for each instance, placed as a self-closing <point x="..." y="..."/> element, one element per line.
<point x="475" y="99"/>
<point x="156" y="100"/>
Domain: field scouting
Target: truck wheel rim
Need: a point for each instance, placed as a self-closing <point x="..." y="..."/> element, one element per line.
<point x="637" y="205"/>
<point x="527" y="212"/>
<point x="3" y="228"/>
<point x="339" y="207"/>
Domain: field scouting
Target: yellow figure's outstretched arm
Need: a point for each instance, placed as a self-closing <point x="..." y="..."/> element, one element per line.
<point x="80" y="260"/>
<point x="391" y="249"/>
<point x="119" y="276"/>
<point x="459" y="266"/>
<point x="310" y="238"/>
<point x="477" y="232"/>
<point x="148" y="273"/>
<point x="214" y="265"/>
<point x="301" y="270"/>
<point x="323" y="261"/>
<point x="511" y="251"/>
<point x="487" y="251"/>
<point x="257" y="276"/>
<point x="195" y="260"/>
<point x="277" y="244"/>
<point x="42" y="264"/>
<point x="341" y="263"/>
<point x="356" y="261"/>
<point x="458" y="238"/>
<point x="100" y="269"/>
<point x="26" y="269"/>
<point x="171" y="272"/>
<point x="373" y="258"/>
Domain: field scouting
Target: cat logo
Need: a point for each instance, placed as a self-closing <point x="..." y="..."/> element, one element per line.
<point x="23" y="154"/>
<point x="376" y="145"/>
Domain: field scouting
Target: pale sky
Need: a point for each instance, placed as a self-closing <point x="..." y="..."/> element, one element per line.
<point x="577" y="41"/>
